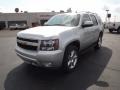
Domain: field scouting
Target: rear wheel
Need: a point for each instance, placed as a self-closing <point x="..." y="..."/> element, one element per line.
<point x="99" y="42"/>
<point x="70" y="58"/>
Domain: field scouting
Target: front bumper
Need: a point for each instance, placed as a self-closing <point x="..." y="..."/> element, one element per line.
<point x="41" y="58"/>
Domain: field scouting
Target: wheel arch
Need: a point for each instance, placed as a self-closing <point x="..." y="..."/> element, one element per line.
<point x="74" y="43"/>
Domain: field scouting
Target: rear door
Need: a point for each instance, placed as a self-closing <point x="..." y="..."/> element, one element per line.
<point x="95" y="28"/>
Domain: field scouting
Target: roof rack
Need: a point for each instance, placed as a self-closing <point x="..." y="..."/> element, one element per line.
<point x="86" y="12"/>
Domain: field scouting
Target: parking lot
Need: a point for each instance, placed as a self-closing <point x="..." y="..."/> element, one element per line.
<point x="98" y="70"/>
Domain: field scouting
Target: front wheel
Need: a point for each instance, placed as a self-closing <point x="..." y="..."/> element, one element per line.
<point x="71" y="57"/>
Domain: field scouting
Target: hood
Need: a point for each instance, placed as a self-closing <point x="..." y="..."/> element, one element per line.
<point x="44" y="31"/>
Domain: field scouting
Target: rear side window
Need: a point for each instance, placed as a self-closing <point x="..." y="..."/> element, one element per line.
<point x="94" y="20"/>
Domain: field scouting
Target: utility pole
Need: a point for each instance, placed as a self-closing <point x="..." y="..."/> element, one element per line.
<point x="114" y="19"/>
<point x="106" y="21"/>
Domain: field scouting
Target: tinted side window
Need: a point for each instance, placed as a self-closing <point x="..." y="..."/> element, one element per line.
<point x="85" y="18"/>
<point x="94" y="20"/>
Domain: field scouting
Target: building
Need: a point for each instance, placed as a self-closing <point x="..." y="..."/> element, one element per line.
<point x="30" y="19"/>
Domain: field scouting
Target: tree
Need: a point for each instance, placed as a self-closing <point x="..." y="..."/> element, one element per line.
<point x="61" y="11"/>
<point x="16" y="10"/>
<point x="69" y="10"/>
<point x="53" y="11"/>
<point x="25" y="11"/>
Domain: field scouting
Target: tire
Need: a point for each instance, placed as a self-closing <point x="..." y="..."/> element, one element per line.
<point x="110" y="30"/>
<point x="99" y="43"/>
<point x="118" y="30"/>
<point x="70" y="59"/>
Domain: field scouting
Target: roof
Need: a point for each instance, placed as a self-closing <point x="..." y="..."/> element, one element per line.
<point x="82" y="12"/>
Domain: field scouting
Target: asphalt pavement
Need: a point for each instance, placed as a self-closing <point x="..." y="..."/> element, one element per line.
<point x="97" y="70"/>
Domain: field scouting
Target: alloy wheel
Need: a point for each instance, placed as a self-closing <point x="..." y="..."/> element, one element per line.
<point x="72" y="59"/>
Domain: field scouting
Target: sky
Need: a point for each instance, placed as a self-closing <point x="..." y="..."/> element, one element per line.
<point x="96" y="6"/>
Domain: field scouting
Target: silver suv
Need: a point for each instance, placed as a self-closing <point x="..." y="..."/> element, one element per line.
<point x="59" y="41"/>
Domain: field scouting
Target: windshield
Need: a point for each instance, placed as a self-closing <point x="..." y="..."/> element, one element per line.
<point x="64" y="20"/>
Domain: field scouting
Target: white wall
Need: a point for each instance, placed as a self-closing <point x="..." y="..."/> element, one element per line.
<point x="29" y="17"/>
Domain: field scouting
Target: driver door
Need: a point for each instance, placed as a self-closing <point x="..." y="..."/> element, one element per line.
<point x="86" y="32"/>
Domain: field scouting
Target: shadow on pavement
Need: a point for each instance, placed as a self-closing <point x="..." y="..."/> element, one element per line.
<point x="27" y="77"/>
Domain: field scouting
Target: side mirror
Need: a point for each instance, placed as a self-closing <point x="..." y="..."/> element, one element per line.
<point x="87" y="24"/>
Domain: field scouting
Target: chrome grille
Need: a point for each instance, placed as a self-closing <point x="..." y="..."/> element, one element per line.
<point x="28" y="44"/>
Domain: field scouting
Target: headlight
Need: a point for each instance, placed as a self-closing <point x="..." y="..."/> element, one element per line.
<point x="49" y="45"/>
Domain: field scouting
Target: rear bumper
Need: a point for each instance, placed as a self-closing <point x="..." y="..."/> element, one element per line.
<point x="41" y="58"/>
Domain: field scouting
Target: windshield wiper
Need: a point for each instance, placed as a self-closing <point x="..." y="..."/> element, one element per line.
<point x="54" y="25"/>
<point x="58" y="24"/>
<point x="47" y="25"/>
